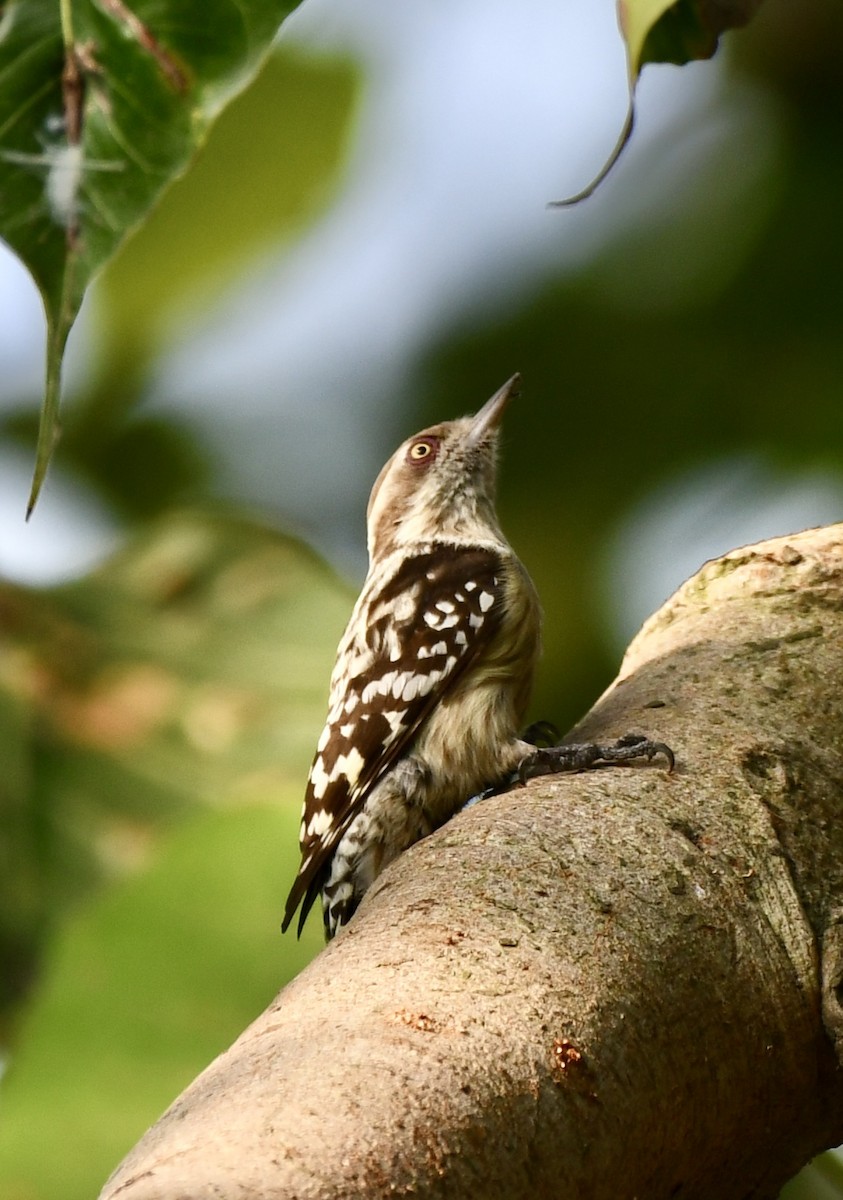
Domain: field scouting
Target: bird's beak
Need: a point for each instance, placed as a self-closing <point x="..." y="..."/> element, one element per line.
<point x="490" y="415"/>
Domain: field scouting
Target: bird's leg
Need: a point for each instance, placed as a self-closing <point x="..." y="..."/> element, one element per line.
<point x="551" y="759"/>
<point x="580" y="756"/>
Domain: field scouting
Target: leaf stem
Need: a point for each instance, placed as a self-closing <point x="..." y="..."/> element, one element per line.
<point x="66" y="12"/>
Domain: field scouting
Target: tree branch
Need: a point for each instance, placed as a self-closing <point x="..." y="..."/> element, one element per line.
<point x="607" y="985"/>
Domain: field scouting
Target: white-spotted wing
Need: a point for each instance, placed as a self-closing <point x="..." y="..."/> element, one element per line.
<point x="424" y="627"/>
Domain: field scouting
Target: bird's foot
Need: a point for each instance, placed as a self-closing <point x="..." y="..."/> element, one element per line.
<point x="580" y="756"/>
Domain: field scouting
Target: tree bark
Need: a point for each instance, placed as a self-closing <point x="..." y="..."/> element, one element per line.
<point x="609" y="985"/>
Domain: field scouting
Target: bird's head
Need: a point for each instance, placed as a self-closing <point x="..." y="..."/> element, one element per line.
<point x="439" y="485"/>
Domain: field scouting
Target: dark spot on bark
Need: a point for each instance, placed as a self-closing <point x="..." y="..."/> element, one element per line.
<point x="688" y="831"/>
<point x="676" y="883"/>
<point x="764" y="644"/>
<point x="759" y="763"/>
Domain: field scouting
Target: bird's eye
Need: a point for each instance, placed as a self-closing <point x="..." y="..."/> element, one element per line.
<point x="421" y="451"/>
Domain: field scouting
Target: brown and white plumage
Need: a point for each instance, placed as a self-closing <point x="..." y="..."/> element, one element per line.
<point x="434" y="671"/>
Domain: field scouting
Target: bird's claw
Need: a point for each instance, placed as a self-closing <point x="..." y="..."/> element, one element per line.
<point x="580" y="756"/>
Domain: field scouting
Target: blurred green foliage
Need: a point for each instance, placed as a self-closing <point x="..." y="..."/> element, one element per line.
<point x="188" y="673"/>
<point x="143" y="989"/>
<point x="187" y="678"/>
<point x="822" y="1180"/>
<point x="188" y="670"/>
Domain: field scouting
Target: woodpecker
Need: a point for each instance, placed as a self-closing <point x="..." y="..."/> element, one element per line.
<point x="433" y="674"/>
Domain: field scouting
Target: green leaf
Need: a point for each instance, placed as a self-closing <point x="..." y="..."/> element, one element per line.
<point x="677" y="31"/>
<point x="666" y="31"/>
<point x="637" y="19"/>
<point x="101" y="106"/>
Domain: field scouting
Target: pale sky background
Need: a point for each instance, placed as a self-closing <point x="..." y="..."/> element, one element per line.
<point x="476" y="113"/>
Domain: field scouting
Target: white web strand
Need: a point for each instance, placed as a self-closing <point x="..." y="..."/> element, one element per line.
<point x="66" y="167"/>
